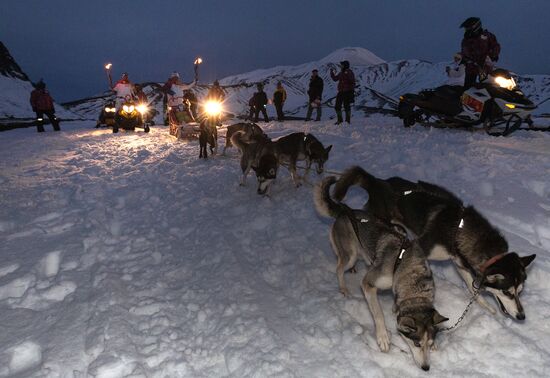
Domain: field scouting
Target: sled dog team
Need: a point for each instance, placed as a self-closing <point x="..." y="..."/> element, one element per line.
<point x="401" y="227"/>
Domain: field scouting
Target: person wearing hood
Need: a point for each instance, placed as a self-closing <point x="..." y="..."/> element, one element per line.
<point x="456" y="71"/>
<point x="42" y="104"/>
<point x="480" y="50"/>
<point x="175" y="91"/>
<point x="346" y="87"/>
<point x="279" y="98"/>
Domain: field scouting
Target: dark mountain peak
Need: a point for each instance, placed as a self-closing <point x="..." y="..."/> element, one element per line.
<point x="8" y="66"/>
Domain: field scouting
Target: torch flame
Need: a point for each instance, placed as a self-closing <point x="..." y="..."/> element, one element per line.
<point x="108" y="66"/>
<point x="198" y="60"/>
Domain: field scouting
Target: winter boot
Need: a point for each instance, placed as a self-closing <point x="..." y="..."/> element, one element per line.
<point x="40" y="128"/>
<point x="339" y="117"/>
<point x="56" y="125"/>
<point x="348" y="117"/>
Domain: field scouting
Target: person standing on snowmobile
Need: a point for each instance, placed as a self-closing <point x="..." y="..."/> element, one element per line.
<point x="279" y="98"/>
<point x="456" y="71"/>
<point x="480" y="50"/>
<point x="346" y="95"/>
<point x="123" y="88"/>
<point x="42" y="103"/>
<point x="315" y="93"/>
<point x="260" y="102"/>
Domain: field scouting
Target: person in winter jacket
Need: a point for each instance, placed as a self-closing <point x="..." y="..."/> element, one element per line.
<point x="123" y="88"/>
<point x="279" y="98"/>
<point x="346" y="86"/>
<point x="260" y="101"/>
<point x="456" y="71"/>
<point x="175" y="90"/>
<point x="215" y="92"/>
<point x="315" y="93"/>
<point x="480" y="50"/>
<point x="42" y="103"/>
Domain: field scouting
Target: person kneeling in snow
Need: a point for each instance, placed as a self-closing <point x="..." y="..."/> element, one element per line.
<point x="42" y="103"/>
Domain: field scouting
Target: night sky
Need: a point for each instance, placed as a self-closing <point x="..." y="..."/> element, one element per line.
<point x="66" y="42"/>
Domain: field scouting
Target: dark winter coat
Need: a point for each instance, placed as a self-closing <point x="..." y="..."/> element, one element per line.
<point x="315" y="90"/>
<point x="475" y="48"/>
<point x="260" y="99"/>
<point x="345" y="79"/>
<point x="41" y="100"/>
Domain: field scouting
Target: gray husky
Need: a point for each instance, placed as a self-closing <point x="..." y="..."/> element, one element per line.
<point x="448" y="230"/>
<point x="392" y="263"/>
<point x="257" y="153"/>
<point x="301" y="146"/>
<point x="249" y="129"/>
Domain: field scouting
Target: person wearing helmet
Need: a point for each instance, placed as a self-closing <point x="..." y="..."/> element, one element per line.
<point x="260" y="102"/>
<point x="123" y="88"/>
<point x="456" y="71"/>
<point x="480" y="50"/>
<point x="42" y="103"/>
<point x="215" y="92"/>
<point x="346" y="87"/>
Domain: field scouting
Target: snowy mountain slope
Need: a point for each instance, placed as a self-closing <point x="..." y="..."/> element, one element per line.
<point x="126" y="256"/>
<point x="379" y="83"/>
<point x="15" y="90"/>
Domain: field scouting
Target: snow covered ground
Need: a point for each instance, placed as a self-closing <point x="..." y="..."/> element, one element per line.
<point x="126" y="256"/>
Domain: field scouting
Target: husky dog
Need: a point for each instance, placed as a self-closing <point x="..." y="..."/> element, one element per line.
<point x="301" y="146"/>
<point x="392" y="263"/>
<point x="249" y="130"/>
<point x="448" y="230"/>
<point x="208" y="134"/>
<point x="259" y="154"/>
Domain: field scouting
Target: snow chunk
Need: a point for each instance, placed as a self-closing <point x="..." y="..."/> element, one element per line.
<point x="24" y="356"/>
<point x="5" y="270"/>
<point x="49" y="265"/>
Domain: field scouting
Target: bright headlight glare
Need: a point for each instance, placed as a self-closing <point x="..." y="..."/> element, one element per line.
<point x="142" y="108"/>
<point x="110" y="110"/>
<point x="505" y="83"/>
<point x="126" y="108"/>
<point x="213" y="108"/>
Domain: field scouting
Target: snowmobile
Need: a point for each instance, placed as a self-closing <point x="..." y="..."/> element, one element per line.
<point x="129" y="116"/>
<point x="181" y="121"/>
<point x="495" y="103"/>
<point x="107" y="115"/>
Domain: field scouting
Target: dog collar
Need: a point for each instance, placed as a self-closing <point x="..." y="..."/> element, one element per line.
<point x="490" y="262"/>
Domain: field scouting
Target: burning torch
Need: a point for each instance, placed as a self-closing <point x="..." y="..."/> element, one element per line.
<point x="108" y="72"/>
<point x="197" y="62"/>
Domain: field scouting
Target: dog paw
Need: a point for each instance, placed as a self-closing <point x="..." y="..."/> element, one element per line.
<point x="345" y="292"/>
<point x="383" y="340"/>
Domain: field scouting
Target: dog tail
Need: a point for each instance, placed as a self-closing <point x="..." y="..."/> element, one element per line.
<point x="352" y="176"/>
<point x="237" y="140"/>
<point x="324" y="204"/>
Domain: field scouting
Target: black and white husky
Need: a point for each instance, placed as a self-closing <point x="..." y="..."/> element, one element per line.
<point x="449" y="230"/>
<point x="392" y="263"/>
<point x="257" y="153"/>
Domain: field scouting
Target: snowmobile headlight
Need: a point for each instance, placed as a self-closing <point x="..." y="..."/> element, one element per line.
<point x="110" y="110"/>
<point x="510" y="106"/>
<point x="213" y="108"/>
<point x="142" y="108"/>
<point x="128" y="108"/>
<point x="505" y="83"/>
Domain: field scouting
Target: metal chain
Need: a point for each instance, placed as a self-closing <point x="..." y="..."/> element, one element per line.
<point x="461" y="318"/>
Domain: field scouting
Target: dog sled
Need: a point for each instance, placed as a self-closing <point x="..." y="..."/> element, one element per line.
<point x="181" y="122"/>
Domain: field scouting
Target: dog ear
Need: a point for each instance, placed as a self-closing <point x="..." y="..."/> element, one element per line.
<point x="327" y="150"/>
<point x="526" y="260"/>
<point x="438" y="318"/>
<point x="492" y="278"/>
<point x="406" y="325"/>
